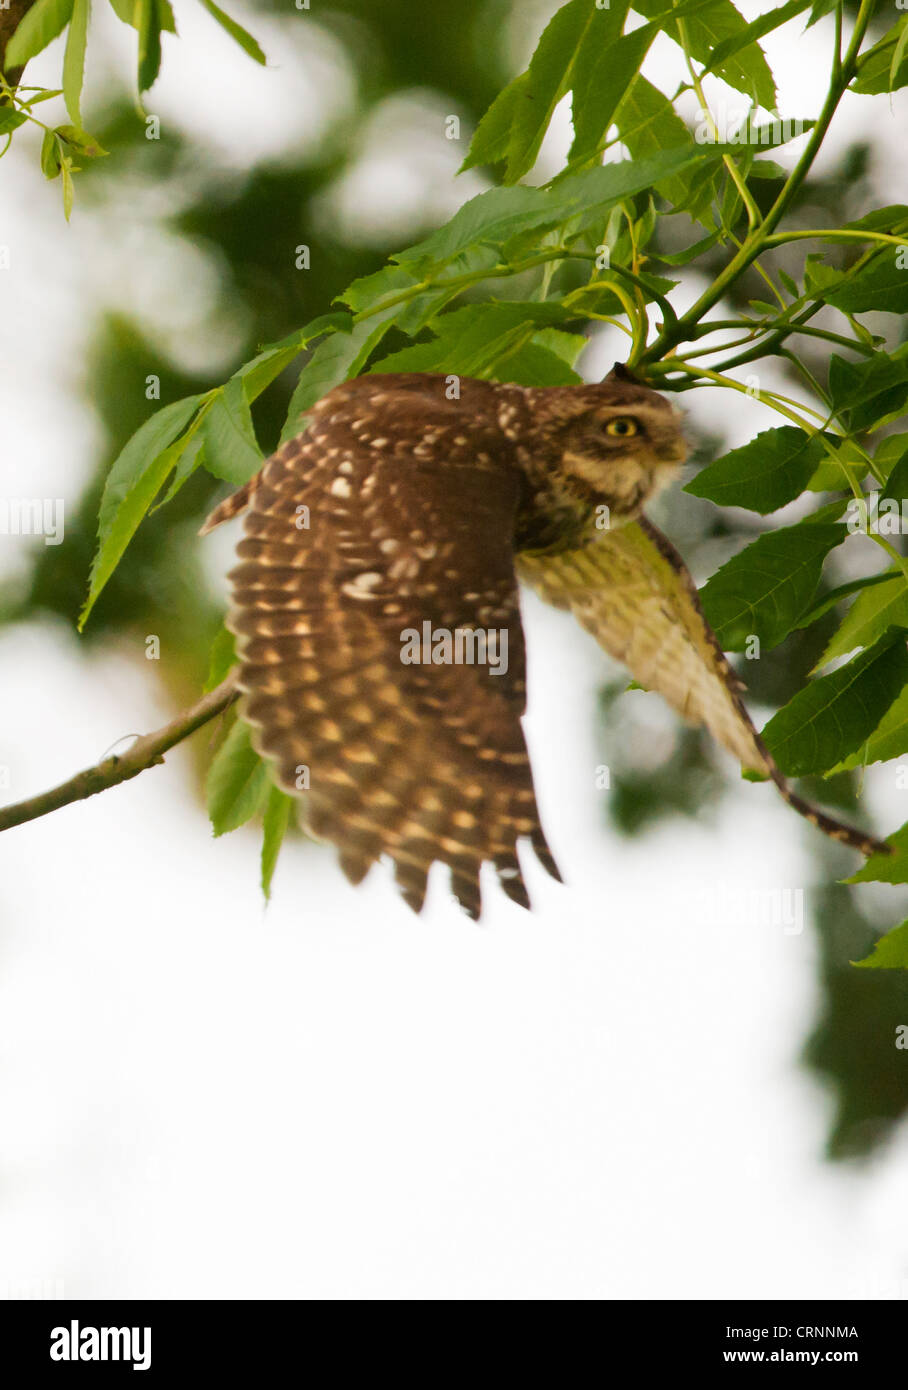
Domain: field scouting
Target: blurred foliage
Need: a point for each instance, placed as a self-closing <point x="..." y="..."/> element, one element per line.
<point x="245" y="224"/>
<point x="853" y="1042"/>
<point x="247" y="227"/>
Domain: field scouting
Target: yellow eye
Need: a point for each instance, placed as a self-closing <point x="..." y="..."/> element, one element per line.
<point x="622" y="426"/>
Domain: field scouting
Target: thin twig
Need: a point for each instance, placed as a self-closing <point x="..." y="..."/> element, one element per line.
<point x="144" y="753"/>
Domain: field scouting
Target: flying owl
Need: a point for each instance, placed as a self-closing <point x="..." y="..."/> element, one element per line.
<point x="376" y="609"/>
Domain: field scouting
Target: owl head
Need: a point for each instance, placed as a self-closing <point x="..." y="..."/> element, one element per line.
<point x="617" y="438"/>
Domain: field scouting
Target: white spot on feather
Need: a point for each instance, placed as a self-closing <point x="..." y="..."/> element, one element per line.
<point x="362" y="585"/>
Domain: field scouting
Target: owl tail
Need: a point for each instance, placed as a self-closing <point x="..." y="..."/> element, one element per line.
<point x="230" y="507"/>
<point x="835" y="829"/>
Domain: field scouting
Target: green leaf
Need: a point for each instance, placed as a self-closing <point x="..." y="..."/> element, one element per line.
<point x="74" y="59"/>
<point x="68" y="190"/>
<point x="874" y="610"/>
<point x="690" y="253"/>
<point x="602" y="78"/>
<point x="892" y="455"/>
<point x="882" y="284"/>
<point x="891" y="951"/>
<point x="875" y="67"/>
<point x="490" y="219"/>
<point x="823" y="605"/>
<point x="763" y="590"/>
<point x="516" y="123"/>
<point x="901" y="49"/>
<point x="50" y="155"/>
<point x="37" y="27"/>
<point x="495" y="217"/>
<point x="80" y="141"/>
<point x="819" y="8"/>
<point x="370" y="291"/>
<point x="828" y="476"/>
<point x="823" y="515"/>
<point x="754" y="31"/>
<point x="719" y="23"/>
<point x="886" y="868"/>
<point x="492" y="136"/>
<point x="10" y="118"/>
<point x="865" y="393"/>
<point x="126" y="11"/>
<point x="278" y="811"/>
<point x="237" y="782"/>
<point x="115" y="535"/>
<point x="647" y="123"/>
<point x="236" y="32"/>
<point x="771" y="134"/>
<point x="149" y="27"/>
<point x="337" y="357"/>
<point x="231" y="448"/>
<point x="844" y="461"/>
<point x="472" y="341"/>
<point x="820" y="277"/>
<point x="577" y="27"/>
<point x="581" y="50"/>
<point x="767" y="169"/>
<point x="133" y="482"/>
<point x="417" y="313"/>
<point x="833" y="714"/>
<point x="892" y="218"/>
<point x="534" y="364"/>
<point x="222" y="657"/>
<point x="888" y="740"/>
<point x="191" y="457"/>
<point x="765" y="474"/>
<point x="259" y="373"/>
<point x="567" y="346"/>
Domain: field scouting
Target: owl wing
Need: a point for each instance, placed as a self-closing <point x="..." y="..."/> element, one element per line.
<point x="381" y="534"/>
<point x="630" y="588"/>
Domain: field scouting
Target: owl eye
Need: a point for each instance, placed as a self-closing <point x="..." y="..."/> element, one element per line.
<point x="622" y="426"/>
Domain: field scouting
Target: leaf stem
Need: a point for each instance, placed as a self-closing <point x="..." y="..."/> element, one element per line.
<point x="843" y="71"/>
<point x="836" y="234"/>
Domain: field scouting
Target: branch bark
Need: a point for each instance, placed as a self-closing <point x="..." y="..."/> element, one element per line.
<point x="144" y="753"/>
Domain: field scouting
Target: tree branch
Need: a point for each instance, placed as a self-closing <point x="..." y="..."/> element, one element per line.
<point x="144" y="753"/>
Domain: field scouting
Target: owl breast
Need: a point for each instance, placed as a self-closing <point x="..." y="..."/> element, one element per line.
<point x="555" y="515"/>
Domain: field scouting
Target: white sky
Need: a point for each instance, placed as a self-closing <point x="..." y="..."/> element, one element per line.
<point x="335" y="1099"/>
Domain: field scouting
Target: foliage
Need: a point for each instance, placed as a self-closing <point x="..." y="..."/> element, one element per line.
<point x="590" y="209"/>
<point x="509" y="287"/>
<point x="40" y="24"/>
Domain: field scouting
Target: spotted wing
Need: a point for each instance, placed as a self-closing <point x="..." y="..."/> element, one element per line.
<point x="382" y="534"/>
<point x="632" y="591"/>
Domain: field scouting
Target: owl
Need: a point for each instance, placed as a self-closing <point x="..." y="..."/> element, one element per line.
<point x="376" y="609"/>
